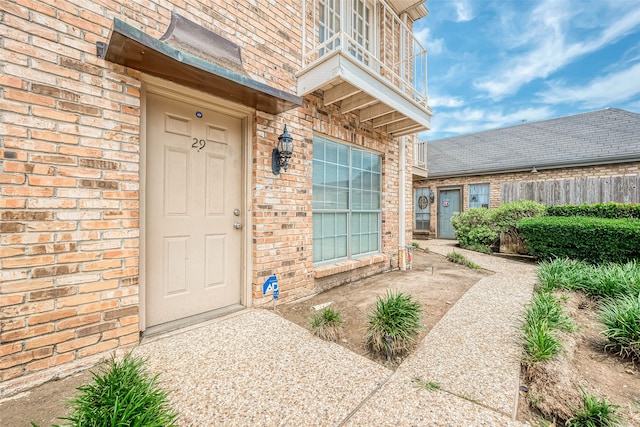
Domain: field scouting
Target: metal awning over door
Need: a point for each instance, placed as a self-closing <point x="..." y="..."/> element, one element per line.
<point x="193" y="56"/>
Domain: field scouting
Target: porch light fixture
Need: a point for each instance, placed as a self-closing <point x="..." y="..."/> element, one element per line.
<point x="282" y="153"/>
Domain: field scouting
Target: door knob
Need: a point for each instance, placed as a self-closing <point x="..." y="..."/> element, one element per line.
<point x="237" y="225"/>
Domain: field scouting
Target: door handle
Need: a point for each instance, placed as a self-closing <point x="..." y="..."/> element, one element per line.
<point x="237" y="225"/>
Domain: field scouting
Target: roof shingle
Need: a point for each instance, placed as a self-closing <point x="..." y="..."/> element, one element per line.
<point x="611" y="135"/>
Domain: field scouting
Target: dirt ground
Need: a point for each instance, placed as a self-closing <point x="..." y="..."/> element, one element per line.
<point x="433" y="281"/>
<point x="585" y="363"/>
<point x="41" y="405"/>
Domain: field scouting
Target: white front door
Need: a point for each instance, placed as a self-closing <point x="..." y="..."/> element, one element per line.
<point x="193" y="208"/>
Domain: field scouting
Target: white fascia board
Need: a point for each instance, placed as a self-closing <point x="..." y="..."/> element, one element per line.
<point x="341" y="67"/>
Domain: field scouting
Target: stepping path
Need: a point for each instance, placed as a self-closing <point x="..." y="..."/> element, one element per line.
<point x="256" y="368"/>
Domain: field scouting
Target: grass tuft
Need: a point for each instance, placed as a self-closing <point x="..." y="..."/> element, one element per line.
<point x="327" y="324"/>
<point x="461" y="259"/>
<point x="543" y="317"/>
<point x="393" y="324"/>
<point x="594" y="413"/>
<point x="122" y="394"/>
<point x="427" y="385"/>
<point x="621" y="318"/>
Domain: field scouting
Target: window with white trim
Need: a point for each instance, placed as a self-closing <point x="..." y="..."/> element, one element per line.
<point x="347" y="200"/>
<point x="479" y="196"/>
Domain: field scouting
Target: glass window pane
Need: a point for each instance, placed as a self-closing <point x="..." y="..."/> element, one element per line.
<point x="343" y="155"/>
<point x="356" y="157"/>
<point x="318" y="172"/>
<point x="317" y="226"/>
<point x="331" y="153"/>
<point x="318" y="197"/>
<point x="355" y="244"/>
<point x="343" y="199"/>
<point x="318" y="149"/>
<point x="317" y="250"/>
<point x="328" y="248"/>
<point x="366" y="161"/>
<point x="341" y="246"/>
<point x="356" y="200"/>
<point x="328" y="225"/>
<point x="376" y="163"/>
<point x="343" y="177"/>
<point x="341" y="224"/>
<point x="331" y="175"/>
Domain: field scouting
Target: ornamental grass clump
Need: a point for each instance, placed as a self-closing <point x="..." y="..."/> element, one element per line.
<point x="393" y="324"/>
<point x="621" y="318"/>
<point x="562" y="273"/>
<point x="594" y="413"/>
<point x="327" y="324"/>
<point x="123" y="394"/>
<point x="543" y="317"/>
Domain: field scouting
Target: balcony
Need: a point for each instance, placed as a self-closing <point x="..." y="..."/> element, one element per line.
<point x="419" y="169"/>
<point x="364" y="58"/>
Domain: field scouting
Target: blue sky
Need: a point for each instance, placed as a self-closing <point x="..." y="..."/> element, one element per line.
<point x="496" y="63"/>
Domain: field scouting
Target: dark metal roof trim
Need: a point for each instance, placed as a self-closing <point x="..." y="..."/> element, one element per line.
<point x="133" y="48"/>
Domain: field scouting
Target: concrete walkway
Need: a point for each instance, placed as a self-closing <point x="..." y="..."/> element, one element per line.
<point x="256" y="368"/>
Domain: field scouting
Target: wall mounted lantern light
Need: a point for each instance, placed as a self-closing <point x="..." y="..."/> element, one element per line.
<point x="431" y="196"/>
<point x="282" y="153"/>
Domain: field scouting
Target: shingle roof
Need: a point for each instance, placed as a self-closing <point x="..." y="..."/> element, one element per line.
<point x="605" y="136"/>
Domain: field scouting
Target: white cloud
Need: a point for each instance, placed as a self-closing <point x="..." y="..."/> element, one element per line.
<point x="464" y="11"/>
<point x="469" y="120"/>
<point x="433" y="46"/>
<point x="609" y="90"/>
<point x="550" y="49"/>
<point x="445" y="101"/>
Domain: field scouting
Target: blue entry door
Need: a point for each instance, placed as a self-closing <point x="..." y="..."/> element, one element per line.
<point x="448" y="204"/>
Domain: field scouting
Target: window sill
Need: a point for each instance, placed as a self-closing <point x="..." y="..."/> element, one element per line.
<point x="342" y="266"/>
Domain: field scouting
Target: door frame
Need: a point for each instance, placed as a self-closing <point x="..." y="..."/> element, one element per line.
<point x="437" y="203"/>
<point x="181" y="93"/>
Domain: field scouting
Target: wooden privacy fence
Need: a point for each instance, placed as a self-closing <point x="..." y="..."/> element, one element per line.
<point x="574" y="191"/>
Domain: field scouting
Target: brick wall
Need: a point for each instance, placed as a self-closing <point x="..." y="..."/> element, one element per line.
<point x="70" y="175"/>
<point x="282" y="213"/>
<point x="495" y="180"/>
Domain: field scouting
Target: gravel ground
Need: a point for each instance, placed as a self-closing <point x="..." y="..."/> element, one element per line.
<point x="255" y="368"/>
<point x="258" y="369"/>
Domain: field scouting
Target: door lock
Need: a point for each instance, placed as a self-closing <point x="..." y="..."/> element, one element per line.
<point x="236" y="212"/>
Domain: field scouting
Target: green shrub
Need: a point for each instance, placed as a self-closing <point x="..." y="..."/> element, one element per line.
<point x="479" y="228"/>
<point x="393" y="324"/>
<point x="123" y="394"/>
<point x="594" y="413"/>
<point x="473" y="227"/>
<point x="621" y="317"/>
<point x="594" y="240"/>
<point x="506" y="216"/>
<point x="327" y="324"/>
<point x="599" y="210"/>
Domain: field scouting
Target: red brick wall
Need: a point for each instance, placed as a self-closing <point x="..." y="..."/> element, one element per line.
<point x="70" y="174"/>
<point x="495" y="180"/>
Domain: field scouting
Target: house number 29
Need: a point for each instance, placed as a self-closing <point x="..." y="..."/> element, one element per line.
<point x="199" y="144"/>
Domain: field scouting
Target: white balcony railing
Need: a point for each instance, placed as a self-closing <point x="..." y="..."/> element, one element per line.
<point x="373" y="35"/>
<point x="420" y="153"/>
